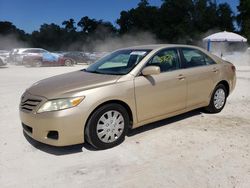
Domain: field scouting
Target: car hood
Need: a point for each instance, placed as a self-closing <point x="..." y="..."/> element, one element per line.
<point x="69" y="83"/>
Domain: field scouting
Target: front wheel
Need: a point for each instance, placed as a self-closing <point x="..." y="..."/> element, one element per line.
<point x="107" y="126"/>
<point x="218" y="99"/>
<point x="38" y="64"/>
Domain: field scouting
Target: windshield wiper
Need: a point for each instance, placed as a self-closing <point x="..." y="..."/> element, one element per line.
<point x="107" y="73"/>
<point x="97" y="72"/>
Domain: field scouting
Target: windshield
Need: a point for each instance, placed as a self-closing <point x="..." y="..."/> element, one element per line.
<point x="118" y="63"/>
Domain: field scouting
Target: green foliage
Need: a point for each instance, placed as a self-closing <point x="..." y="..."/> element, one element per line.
<point x="7" y="29"/>
<point x="69" y="25"/>
<point x="144" y="18"/>
<point x="50" y="36"/>
<point x="244" y="17"/>
<point x="175" y="21"/>
<point x="225" y="17"/>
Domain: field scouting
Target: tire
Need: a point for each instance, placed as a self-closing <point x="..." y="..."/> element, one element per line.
<point x="218" y="99"/>
<point x="68" y="62"/>
<point x="103" y="130"/>
<point x="36" y="64"/>
<point x="39" y="64"/>
<point x="1" y="62"/>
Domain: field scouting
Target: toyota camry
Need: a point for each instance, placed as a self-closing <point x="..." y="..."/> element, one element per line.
<point x="126" y="89"/>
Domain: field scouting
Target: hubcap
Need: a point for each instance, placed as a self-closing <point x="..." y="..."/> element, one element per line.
<point x="38" y="63"/>
<point x="110" y="126"/>
<point x="219" y="98"/>
<point x="68" y="63"/>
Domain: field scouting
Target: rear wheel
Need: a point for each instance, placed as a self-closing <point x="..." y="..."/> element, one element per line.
<point x="218" y="99"/>
<point x="68" y="62"/>
<point x="107" y="126"/>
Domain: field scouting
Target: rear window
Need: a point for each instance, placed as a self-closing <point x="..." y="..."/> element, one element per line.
<point x="195" y="58"/>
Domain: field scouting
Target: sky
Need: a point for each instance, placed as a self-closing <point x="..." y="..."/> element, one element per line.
<point x="28" y="15"/>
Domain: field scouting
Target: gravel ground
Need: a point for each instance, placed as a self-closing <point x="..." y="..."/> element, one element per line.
<point x="190" y="150"/>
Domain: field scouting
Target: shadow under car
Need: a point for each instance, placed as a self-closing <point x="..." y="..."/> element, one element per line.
<point x="65" y="150"/>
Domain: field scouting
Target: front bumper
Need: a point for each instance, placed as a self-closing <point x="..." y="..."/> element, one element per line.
<point x="68" y="124"/>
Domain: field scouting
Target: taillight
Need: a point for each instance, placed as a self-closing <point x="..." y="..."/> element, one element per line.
<point x="233" y="68"/>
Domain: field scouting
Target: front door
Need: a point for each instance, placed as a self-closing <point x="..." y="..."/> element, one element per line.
<point x="157" y="95"/>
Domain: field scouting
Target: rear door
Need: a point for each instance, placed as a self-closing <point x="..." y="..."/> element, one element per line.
<point x="201" y="73"/>
<point x="157" y="95"/>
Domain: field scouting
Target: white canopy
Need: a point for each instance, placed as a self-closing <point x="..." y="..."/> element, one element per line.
<point x="225" y="37"/>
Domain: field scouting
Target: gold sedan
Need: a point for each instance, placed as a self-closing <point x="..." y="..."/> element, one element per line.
<point x="126" y="89"/>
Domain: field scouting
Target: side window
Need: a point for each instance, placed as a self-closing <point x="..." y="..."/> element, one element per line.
<point x="36" y="51"/>
<point x="167" y="60"/>
<point x="195" y="58"/>
<point x="41" y="51"/>
<point x="209" y="61"/>
<point x="28" y="51"/>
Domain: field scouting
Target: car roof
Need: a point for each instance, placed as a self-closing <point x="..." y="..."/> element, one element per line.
<point x="24" y="49"/>
<point x="33" y="49"/>
<point x="158" y="46"/>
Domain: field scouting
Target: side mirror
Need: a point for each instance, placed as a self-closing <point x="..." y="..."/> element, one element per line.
<point x="151" y="70"/>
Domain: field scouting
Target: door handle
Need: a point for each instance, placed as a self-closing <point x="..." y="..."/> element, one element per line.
<point x="181" y="77"/>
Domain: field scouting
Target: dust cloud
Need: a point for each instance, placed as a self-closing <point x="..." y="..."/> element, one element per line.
<point x="237" y="53"/>
<point x="127" y="40"/>
<point x="8" y="42"/>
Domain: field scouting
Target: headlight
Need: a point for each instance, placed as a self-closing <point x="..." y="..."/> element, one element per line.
<point x="60" y="104"/>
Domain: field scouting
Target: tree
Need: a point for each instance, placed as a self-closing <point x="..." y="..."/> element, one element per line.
<point x="143" y="3"/>
<point x="125" y="22"/>
<point x="244" y="17"/>
<point x="87" y="25"/>
<point x="105" y="29"/>
<point x="69" y="25"/>
<point x="50" y="36"/>
<point x="225" y="17"/>
<point x="143" y="17"/>
<point x="176" y="20"/>
<point x="7" y="29"/>
<point x="204" y="15"/>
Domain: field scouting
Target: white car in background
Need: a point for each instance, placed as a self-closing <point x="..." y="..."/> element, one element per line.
<point x="4" y="55"/>
<point x="16" y="55"/>
<point x="3" y="61"/>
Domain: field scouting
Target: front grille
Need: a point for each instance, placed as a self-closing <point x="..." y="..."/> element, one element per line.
<point x="29" y="103"/>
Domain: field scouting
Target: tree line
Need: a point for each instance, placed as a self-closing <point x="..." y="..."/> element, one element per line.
<point x="173" y="22"/>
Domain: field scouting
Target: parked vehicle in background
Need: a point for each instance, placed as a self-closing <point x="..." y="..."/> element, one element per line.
<point x="5" y="53"/>
<point x="248" y="51"/>
<point x="129" y="88"/>
<point x="46" y="59"/>
<point x="75" y="56"/>
<point x="4" y="56"/>
<point x="82" y="57"/>
<point x="3" y="61"/>
<point x="94" y="56"/>
<point x="17" y="54"/>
